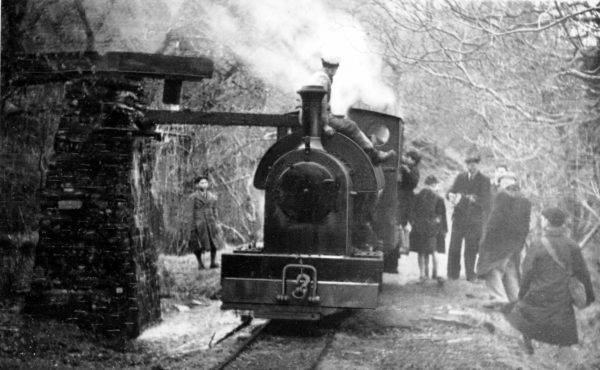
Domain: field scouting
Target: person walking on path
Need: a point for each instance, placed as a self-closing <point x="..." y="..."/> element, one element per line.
<point x="503" y="240"/>
<point x="205" y="233"/>
<point x="471" y="195"/>
<point x="428" y="221"/>
<point x="544" y="311"/>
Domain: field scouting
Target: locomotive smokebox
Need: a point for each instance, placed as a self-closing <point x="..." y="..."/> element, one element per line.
<point x="312" y="116"/>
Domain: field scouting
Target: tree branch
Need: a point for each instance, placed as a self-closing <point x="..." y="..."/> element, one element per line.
<point x="89" y="33"/>
<point x="580" y="75"/>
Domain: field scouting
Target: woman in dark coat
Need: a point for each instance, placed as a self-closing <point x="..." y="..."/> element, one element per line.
<point x="428" y="225"/>
<point x="544" y="311"/>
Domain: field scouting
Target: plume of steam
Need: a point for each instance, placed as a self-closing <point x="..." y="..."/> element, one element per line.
<point x="283" y="42"/>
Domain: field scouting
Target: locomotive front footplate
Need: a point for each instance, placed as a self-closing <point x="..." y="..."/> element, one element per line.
<point x="299" y="287"/>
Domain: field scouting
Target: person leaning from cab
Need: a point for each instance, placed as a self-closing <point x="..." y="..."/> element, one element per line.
<point x="324" y="78"/>
<point x="544" y="311"/>
<point x="470" y="193"/>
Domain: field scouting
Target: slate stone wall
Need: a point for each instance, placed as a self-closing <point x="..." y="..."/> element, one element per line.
<point x="96" y="261"/>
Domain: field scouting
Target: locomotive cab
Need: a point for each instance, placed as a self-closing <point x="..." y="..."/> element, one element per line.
<point x="315" y="190"/>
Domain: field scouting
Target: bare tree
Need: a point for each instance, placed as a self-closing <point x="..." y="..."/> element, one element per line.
<point x="516" y="79"/>
<point x="89" y="33"/>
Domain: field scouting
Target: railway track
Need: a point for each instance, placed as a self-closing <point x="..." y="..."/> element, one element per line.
<point x="284" y="344"/>
<point x="231" y="358"/>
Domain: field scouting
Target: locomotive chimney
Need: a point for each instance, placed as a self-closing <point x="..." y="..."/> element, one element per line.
<point x="312" y="110"/>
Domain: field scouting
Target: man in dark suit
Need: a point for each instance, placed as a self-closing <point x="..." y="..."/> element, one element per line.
<point x="471" y="195"/>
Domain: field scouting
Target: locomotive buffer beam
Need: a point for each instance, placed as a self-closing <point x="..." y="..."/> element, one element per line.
<point x="269" y="284"/>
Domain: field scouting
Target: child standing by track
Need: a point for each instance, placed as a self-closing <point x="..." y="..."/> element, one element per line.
<point x="428" y="227"/>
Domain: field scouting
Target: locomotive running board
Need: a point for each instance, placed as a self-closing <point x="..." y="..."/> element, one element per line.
<point x="333" y="294"/>
<point x="257" y="265"/>
<point x="253" y="281"/>
<point x="267" y="311"/>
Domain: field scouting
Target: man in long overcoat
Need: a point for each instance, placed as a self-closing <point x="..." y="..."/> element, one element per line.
<point x="471" y="194"/>
<point x="503" y="240"/>
<point x="544" y="311"/>
<point x="205" y="233"/>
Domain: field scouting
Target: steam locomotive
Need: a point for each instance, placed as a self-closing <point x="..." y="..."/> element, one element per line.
<point x="320" y="192"/>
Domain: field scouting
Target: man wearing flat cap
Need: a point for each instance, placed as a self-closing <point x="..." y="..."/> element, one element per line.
<point x="470" y="194"/>
<point x="503" y="240"/>
<point x="205" y="235"/>
<point x="334" y="123"/>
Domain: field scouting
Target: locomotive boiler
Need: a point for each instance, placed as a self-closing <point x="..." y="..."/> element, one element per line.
<point x="320" y="202"/>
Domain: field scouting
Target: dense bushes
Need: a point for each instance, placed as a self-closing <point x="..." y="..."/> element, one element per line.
<point x="227" y="155"/>
<point x="26" y="138"/>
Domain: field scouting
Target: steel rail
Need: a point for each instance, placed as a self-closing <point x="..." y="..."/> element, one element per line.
<point x="242" y="347"/>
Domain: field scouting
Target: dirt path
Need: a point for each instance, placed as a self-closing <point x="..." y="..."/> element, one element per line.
<point x="416" y="326"/>
<point x="425" y="326"/>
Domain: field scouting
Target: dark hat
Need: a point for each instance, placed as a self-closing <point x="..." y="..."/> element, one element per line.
<point x="330" y="61"/>
<point x="201" y="177"/>
<point x="474" y="158"/>
<point x="554" y="215"/>
<point x="414" y="155"/>
<point x="502" y="165"/>
<point x="431" y="180"/>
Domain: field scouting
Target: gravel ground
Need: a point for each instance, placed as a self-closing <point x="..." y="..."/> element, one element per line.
<point x="416" y="326"/>
<point x="191" y="324"/>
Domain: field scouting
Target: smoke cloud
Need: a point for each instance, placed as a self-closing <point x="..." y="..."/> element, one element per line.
<point x="283" y="42"/>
